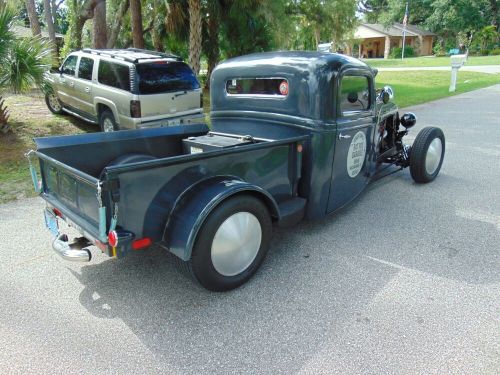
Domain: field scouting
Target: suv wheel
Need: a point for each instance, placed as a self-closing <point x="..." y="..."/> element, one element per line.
<point x="107" y="121"/>
<point x="53" y="103"/>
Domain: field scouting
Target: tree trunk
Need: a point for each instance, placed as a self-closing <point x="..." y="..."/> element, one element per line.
<point x="34" y="23"/>
<point x="213" y="51"/>
<point x="53" y="7"/>
<point x="117" y="24"/>
<point x="136" y="18"/>
<point x="52" y="34"/>
<point x="155" y="36"/>
<point x="100" y="32"/>
<point x="194" y="34"/>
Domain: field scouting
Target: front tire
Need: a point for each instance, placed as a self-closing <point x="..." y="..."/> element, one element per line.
<point x="53" y="103"/>
<point x="231" y="244"/>
<point x="427" y="154"/>
<point x="107" y="121"/>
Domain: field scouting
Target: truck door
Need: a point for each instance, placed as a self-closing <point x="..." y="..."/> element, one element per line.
<point x="83" y="87"/>
<point x="354" y="139"/>
<point x="66" y="81"/>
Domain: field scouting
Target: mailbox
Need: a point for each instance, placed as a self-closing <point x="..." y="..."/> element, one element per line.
<point x="457" y="61"/>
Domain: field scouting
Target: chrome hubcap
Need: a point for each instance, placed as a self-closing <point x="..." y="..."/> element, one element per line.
<point x="236" y="244"/>
<point x="107" y="125"/>
<point x="433" y="155"/>
<point x="54" y="103"/>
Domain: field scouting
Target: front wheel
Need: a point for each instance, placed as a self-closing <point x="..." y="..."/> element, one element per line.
<point x="231" y="244"/>
<point x="427" y="154"/>
<point x="53" y="103"/>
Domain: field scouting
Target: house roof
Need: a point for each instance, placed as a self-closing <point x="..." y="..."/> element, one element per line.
<point x="377" y="30"/>
<point x="25" y="32"/>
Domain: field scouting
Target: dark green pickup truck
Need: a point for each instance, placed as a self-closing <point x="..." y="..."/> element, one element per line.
<point x="294" y="135"/>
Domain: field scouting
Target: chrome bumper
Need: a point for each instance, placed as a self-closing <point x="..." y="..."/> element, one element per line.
<point x="72" y="252"/>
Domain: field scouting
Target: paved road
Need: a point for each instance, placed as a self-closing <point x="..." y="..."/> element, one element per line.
<point x="490" y="69"/>
<point x="404" y="281"/>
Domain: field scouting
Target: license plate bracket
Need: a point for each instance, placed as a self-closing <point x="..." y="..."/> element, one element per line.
<point x="51" y="223"/>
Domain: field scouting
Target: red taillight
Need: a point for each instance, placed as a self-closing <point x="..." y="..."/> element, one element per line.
<point x="141" y="243"/>
<point x="113" y="238"/>
<point x="135" y="108"/>
<point x="57" y="212"/>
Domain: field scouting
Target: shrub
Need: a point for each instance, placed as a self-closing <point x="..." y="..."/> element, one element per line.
<point x="485" y="52"/>
<point x="396" y="52"/>
<point x="495" y="52"/>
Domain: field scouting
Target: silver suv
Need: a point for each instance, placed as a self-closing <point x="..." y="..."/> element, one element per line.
<point x="125" y="89"/>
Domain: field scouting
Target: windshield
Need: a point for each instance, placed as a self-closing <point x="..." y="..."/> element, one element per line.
<point x="165" y="76"/>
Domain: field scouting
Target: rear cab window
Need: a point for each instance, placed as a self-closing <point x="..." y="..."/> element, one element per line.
<point x="114" y="75"/>
<point x="275" y="87"/>
<point x="354" y="94"/>
<point x="165" y="76"/>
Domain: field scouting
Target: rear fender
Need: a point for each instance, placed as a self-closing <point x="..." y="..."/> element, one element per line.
<point x="99" y="101"/>
<point x="195" y="205"/>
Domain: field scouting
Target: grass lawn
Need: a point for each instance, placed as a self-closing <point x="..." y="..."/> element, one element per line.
<point x="29" y="118"/>
<point x="415" y="87"/>
<point x="430" y="61"/>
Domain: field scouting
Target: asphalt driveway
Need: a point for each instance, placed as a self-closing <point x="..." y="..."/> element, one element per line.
<point x="406" y="280"/>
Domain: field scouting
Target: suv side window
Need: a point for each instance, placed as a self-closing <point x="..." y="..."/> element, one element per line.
<point x="354" y="94"/>
<point x="85" y="68"/>
<point x="69" y="66"/>
<point x="114" y="75"/>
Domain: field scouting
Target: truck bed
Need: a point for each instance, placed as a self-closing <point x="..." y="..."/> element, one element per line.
<point x="74" y="168"/>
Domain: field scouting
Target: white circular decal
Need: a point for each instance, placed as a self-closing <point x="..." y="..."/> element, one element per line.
<point x="356" y="154"/>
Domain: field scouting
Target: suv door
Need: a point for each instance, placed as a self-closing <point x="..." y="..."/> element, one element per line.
<point x="355" y="123"/>
<point x="66" y="81"/>
<point x="83" y="88"/>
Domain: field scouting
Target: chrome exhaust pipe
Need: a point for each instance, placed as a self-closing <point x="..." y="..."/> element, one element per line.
<point x="63" y="248"/>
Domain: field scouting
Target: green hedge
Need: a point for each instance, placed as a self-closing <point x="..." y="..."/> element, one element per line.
<point x="396" y="52"/>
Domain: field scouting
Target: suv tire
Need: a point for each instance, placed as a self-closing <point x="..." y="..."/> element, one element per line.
<point x="53" y="103"/>
<point x="107" y="121"/>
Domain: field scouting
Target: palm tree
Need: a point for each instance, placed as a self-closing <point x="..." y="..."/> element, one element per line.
<point x="194" y="34"/>
<point x="23" y="62"/>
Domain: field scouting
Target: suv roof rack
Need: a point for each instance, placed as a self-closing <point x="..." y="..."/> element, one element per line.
<point x="121" y="54"/>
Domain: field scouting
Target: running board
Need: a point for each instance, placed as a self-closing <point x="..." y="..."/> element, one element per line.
<point x="79" y="116"/>
<point x="292" y="211"/>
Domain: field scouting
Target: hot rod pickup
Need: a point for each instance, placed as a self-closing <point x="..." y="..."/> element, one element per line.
<point x="294" y="135"/>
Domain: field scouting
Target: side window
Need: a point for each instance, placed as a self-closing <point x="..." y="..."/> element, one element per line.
<point x="354" y="94"/>
<point x="85" y="68"/>
<point x="114" y="75"/>
<point x="69" y="66"/>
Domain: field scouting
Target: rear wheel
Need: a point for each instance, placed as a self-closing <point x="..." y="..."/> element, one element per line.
<point x="427" y="154"/>
<point x="53" y="103"/>
<point x="231" y="244"/>
<point x="107" y="121"/>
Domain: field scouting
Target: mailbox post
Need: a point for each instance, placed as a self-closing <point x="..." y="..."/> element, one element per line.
<point x="457" y="61"/>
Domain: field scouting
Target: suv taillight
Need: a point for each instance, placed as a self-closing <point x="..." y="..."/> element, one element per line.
<point x="135" y="108"/>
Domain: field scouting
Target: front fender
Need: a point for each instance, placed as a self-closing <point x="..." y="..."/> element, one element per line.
<point x="191" y="211"/>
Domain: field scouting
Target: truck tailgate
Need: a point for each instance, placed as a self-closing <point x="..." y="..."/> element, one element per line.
<point x="72" y="192"/>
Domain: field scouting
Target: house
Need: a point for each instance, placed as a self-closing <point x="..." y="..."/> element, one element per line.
<point x="376" y="40"/>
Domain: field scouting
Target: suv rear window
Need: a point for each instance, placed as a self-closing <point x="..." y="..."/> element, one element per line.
<point x="165" y="76"/>
<point x="114" y="75"/>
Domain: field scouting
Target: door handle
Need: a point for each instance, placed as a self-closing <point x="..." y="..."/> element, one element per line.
<point x="87" y="89"/>
<point x="342" y="136"/>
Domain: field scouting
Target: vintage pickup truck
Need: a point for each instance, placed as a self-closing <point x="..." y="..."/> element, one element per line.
<point x="293" y="135"/>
